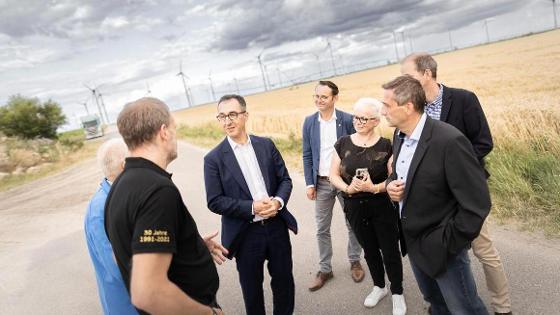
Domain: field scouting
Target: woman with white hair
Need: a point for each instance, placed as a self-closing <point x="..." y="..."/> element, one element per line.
<point x="359" y="170"/>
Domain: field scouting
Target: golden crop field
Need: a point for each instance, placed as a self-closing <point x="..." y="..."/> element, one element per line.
<point x="518" y="84"/>
<point x="522" y="73"/>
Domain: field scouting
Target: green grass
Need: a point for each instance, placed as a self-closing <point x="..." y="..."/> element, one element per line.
<point x="525" y="185"/>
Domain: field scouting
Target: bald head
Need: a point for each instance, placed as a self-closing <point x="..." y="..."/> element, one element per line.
<point x="110" y="156"/>
<point x="140" y="121"/>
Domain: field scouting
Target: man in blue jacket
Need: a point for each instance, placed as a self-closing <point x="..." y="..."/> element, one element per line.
<point x="247" y="183"/>
<point x="320" y="132"/>
<point x="112" y="291"/>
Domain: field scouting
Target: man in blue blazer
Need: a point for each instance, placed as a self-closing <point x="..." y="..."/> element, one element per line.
<point x="247" y="183"/>
<point x="320" y="132"/>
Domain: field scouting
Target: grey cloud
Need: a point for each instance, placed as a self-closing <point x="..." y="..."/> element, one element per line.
<point x="71" y="18"/>
<point x="273" y="23"/>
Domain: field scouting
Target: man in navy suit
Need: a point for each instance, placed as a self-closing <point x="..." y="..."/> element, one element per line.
<point x="320" y="132"/>
<point x="247" y="183"/>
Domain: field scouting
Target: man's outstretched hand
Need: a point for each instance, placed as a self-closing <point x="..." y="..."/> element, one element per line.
<point x="217" y="251"/>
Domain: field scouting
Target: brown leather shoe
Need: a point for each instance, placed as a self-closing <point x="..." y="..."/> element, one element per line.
<point x="358" y="273"/>
<point x="320" y="279"/>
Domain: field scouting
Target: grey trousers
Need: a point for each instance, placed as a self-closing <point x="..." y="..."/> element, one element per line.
<point x="324" y="203"/>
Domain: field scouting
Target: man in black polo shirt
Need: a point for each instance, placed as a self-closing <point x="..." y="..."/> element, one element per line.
<point x="165" y="263"/>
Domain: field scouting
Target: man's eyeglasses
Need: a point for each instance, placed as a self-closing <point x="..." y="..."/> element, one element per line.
<point x="231" y="115"/>
<point x="320" y="97"/>
<point x="363" y="120"/>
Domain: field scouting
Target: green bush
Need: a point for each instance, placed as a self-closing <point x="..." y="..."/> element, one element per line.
<point x="27" y="118"/>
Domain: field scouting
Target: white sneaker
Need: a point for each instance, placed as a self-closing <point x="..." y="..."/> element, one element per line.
<point x="375" y="296"/>
<point x="399" y="305"/>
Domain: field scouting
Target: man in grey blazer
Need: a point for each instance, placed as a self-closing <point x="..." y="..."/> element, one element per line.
<point x="320" y="132"/>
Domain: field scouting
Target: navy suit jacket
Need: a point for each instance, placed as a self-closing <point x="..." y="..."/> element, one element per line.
<point x="312" y="142"/>
<point x="228" y="195"/>
<point x="462" y="110"/>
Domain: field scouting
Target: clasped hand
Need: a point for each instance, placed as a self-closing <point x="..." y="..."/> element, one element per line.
<point x="266" y="207"/>
<point x="361" y="185"/>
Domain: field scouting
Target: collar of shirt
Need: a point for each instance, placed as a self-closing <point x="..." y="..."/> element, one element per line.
<point x="333" y="117"/>
<point x="439" y="97"/>
<point x="139" y="162"/>
<point x="415" y="135"/>
<point x="234" y="145"/>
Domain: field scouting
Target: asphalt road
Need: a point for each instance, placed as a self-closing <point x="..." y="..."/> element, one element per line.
<point x="45" y="268"/>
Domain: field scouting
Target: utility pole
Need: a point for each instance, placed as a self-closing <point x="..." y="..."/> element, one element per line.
<point x="410" y="43"/>
<point x="450" y="40"/>
<point x="332" y="56"/>
<point x="396" y="48"/>
<point x="262" y="70"/>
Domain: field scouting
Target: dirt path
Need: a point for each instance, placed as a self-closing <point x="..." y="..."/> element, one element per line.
<point x="45" y="269"/>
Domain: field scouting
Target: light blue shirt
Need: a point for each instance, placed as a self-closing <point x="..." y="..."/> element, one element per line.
<point x="434" y="108"/>
<point x="112" y="291"/>
<point x="406" y="153"/>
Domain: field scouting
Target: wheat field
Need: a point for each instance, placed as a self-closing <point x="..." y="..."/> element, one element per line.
<point x="522" y="73"/>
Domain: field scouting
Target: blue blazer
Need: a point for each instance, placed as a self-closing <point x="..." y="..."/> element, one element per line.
<point x="312" y="142"/>
<point x="228" y="195"/>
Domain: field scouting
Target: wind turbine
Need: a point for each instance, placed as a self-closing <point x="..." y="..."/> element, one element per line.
<point x="329" y="46"/>
<point x="262" y="70"/>
<point x="103" y="106"/>
<point x="94" y="94"/>
<point x="211" y="86"/>
<point x="187" y="89"/>
<point x="148" y="91"/>
<point x="318" y="63"/>
<point x="85" y="105"/>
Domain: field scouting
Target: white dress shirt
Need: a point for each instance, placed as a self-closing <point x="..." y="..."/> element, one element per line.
<point x="407" y="153"/>
<point x="247" y="159"/>
<point x="328" y="139"/>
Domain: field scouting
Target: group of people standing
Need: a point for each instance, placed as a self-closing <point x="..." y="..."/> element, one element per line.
<point x="423" y="193"/>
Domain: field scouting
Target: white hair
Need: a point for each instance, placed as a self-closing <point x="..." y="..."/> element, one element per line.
<point x="110" y="156"/>
<point x="369" y="104"/>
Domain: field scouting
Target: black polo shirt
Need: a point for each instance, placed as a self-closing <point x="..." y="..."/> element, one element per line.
<point x="145" y="213"/>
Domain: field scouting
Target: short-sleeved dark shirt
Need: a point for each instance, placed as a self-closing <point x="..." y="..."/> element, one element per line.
<point x="145" y="213"/>
<point x="374" y="158"/>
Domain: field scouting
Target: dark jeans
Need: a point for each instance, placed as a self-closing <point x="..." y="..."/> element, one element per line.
<point x="453" y="292"/>
<point x="271" y="242"/>
<point x="375" y="224"/>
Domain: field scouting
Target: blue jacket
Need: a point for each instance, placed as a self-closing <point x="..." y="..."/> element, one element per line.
<point x="312" y="142"/>
<point x="112" y="292"/>
<point x="227" y="192"/>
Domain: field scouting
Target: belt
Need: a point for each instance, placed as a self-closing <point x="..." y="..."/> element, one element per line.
<point x="265" y="221"/>
<point x="324" y="178"/>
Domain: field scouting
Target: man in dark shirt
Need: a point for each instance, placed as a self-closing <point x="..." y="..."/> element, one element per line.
<point x="165" y="263"/>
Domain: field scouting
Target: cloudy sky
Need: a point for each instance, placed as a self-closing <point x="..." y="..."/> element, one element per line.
<point x="127" y="49"/>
